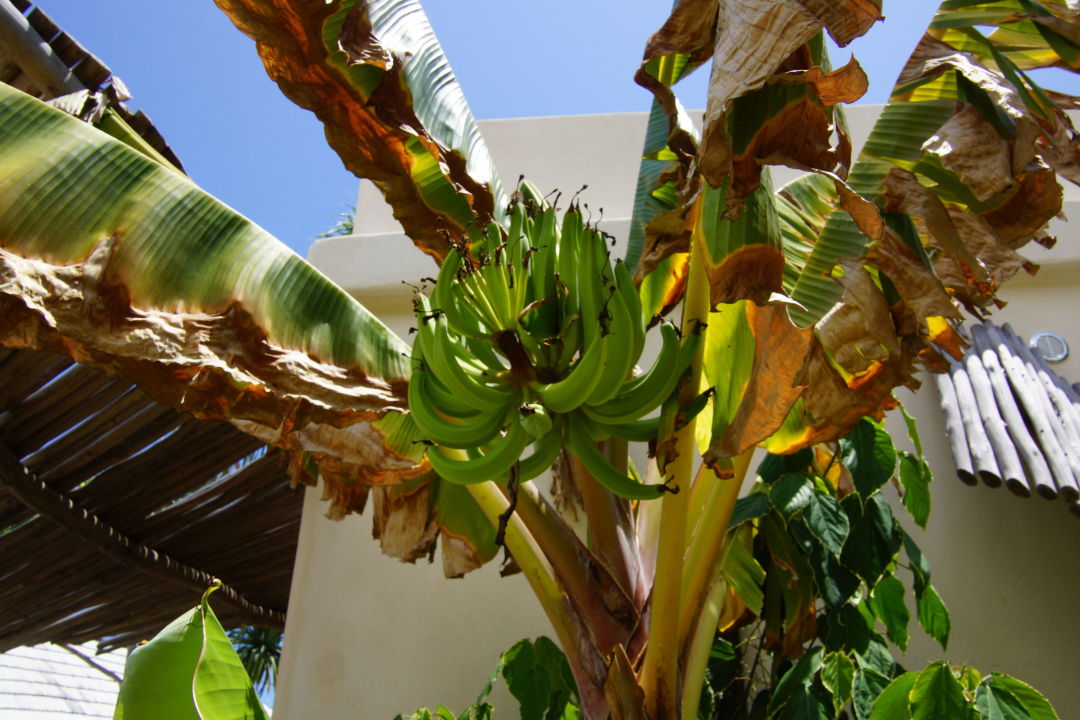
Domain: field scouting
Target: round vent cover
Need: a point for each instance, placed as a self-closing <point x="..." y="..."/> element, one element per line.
<point x="1051" y="346"/>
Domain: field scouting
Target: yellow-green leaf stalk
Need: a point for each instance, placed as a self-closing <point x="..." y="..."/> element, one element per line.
<point x="659" y="675"/>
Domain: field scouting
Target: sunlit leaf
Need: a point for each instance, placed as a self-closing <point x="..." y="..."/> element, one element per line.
<point x="838" y="676"/>
<point x="123" y="263"/>
<point x="933" y="615"/>
<point x="994" y="702"/>
<point x="868" y="453"/>
<point x="893" y="703"/>
<point x="915" y="478"/>
<point x="887" y="604"/>
<point x="188" y="671"/>
<point x="1037" y="706"/>
<point x="791" y="494"/>
<point x="938" y="695"/>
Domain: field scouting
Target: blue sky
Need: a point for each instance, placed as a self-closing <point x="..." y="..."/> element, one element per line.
<point x="202" y="83"/>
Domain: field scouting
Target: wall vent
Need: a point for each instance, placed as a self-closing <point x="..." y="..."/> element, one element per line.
<point x="1051" y="346"/>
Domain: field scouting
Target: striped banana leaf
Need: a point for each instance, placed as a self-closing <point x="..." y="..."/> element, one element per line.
<point x="675" y="51"/>
<point x="962" y="158"/>
<point x="960" y="169"/>
<point x="374" y="73"/>
<point x="119" y="261"/>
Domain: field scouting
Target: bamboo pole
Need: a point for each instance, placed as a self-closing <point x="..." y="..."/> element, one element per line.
<point x="1038" y="472"/>
<point x="1012" y="472"/>
<point x="982" y="453"/>
<point x="954" y="428"/>
<point x="108" y="540"/>
<point x="1065" y="401"/>
<point x="1038" y="409"/>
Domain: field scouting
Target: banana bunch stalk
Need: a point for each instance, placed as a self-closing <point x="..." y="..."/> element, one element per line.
<point x="530" y="338"/>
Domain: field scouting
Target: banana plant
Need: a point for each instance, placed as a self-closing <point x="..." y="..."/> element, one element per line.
<point x="801" y="310"/>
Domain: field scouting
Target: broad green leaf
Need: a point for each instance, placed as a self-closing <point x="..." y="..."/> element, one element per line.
<point x="912" y="432"/>
<point x="877" y="655"/>
<point x="791" y="494"/>
<point x="827" y="521"/>
<point x="774" y="466"/>
<point x="868" y="453"/>
<point x="933" y="616"/>
<point x="971" y="679"/>
<point x="938" y="695"/>
<point x="538" y="676"/>
<point x="893" y="703"/>
<point x="869" y="684"/>
<point x="1037" y="706"/>
<point x="835" y="583"/>
<point x="920" y="566"/>
<point x="838" y="676"/>
<point x="743" y="572"/>
<point x="845" y="629"/>
<point x="887" y="604"/>
<point x="125" y="263"/>
<point x="188" y="671"/>
<point x="375" y="75"/>
<point x="796" y="682"/>
<point x="915" y="477"/>
<point x="804" y="705"/>
<point x="874" y="539"/>
<point x="749" y="508"/>
<point x="994" y="702"/>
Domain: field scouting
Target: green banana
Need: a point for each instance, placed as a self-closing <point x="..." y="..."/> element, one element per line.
<point x="440" y="356"/>
<point x="440" y="397"/>
<point x="464" y="320"/>
<point x="644" y="393"/>
<point x="441" y="430"/>
<point x="598" y="466"/>
<point x="642" y="430"/>
<point x="564" y="395"/>
<point x="620" y="358"/>
<point x="536" y="419"/>
<point x="624" y="284"/>
<point x="545" y="450"/>
<point x="502" y="453"/>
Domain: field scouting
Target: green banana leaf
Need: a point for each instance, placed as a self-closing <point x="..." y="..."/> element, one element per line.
<point x="875" y="280"/>
<point x="188" y="671"/>
<point x="958" y="72"/>
<point x="119" y="261"/>
<point x="375" y="75"/>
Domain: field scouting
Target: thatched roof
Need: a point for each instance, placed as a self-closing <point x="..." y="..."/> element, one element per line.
<point x="116" y="511"/>
<point x="1012" y="420"/>
<point x="42" y="60"/>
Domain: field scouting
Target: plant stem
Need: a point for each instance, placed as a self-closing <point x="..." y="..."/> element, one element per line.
<point x="598" y="601"/>
<point x="707" y="543"/>
<point x="588" y="670"/>
<point x="610" y="536"/>
<point x="700" y="647"/>
<point x="660" y="672"/>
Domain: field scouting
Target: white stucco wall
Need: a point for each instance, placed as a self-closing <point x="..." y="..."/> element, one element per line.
<point x="368" y="637"/>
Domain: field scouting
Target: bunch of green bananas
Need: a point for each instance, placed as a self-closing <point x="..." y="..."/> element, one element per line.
<point x="530" y="337"/>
